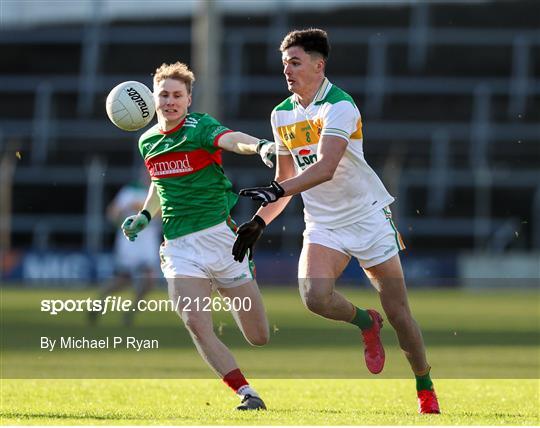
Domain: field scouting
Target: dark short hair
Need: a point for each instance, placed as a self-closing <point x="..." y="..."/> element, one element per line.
<point x="311" y="40"/>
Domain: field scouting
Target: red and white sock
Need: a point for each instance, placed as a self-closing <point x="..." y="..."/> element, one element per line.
<point x="238" y="383"/>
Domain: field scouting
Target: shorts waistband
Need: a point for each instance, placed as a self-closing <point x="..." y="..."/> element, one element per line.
<point x="198" y="232"/>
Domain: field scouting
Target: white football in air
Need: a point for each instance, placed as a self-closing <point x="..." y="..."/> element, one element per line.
<point x="130" y="106"/>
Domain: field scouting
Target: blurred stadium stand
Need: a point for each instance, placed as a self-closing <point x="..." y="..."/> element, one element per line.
<point x="449" y="93"/>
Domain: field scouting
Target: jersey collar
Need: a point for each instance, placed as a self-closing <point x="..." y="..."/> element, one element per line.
<point x="176" y="128"/>
<point x="319" y="95"/>
<point x="323" y="90"/>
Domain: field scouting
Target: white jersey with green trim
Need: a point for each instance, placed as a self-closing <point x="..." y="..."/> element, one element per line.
<point x="355" y="191"/>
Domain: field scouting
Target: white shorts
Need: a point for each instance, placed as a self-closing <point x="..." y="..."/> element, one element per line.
<point x="206" y="254"/>
<point x="372" y="241"/>
<point x="135" y="257"/>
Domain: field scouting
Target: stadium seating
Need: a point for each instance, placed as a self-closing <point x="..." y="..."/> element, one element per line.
<point x="449" y="96"/>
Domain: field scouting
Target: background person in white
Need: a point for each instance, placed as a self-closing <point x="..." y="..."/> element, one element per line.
<point x="135" y="263"/>
<point x="319" y="135"/>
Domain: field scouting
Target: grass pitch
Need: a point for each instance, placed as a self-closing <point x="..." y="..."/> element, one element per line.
<point x="290" y="402"/>
<point x="483" y="349"/>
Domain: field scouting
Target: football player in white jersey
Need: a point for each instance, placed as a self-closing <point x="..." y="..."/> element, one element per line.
<point x="318" y="132"/>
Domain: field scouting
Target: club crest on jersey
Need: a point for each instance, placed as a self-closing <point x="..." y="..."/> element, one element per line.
<point x="305" y="158"/>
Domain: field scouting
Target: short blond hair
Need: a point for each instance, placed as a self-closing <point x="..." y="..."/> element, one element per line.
<point x="177" y="71"/>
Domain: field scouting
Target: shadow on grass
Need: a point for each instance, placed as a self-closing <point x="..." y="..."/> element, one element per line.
<point x="38" y="415"/>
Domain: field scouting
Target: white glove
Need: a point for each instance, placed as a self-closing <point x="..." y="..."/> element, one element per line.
<point x="133" y="224"/>
<point x="267" y="151"/>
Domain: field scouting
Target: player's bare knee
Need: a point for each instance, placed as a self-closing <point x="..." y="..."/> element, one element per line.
<point x="260" y="337"/>
<point x="314" y="306"/>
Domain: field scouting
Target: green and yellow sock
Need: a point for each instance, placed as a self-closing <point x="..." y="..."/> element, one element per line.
<point x="361" y="319"/>
<point x="423" y="380"/>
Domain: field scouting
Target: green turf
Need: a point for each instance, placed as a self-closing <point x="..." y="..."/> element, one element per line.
<point x="492" y="338"/>
<point x="290" y="402"/>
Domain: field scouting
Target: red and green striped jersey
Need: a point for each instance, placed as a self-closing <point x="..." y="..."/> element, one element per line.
<point x="185" y="166"/>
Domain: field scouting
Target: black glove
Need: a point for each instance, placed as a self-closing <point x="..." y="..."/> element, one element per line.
<point x="265" y="195"/>
<point x="247" y="234"/>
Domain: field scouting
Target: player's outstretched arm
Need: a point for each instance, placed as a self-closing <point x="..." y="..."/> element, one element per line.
<point x="284" y="171"/>
<point x="331" y="150"/>
<point x="134" y="224"/>
<point x="244" y="144"/>
<point x="248" y="233"/>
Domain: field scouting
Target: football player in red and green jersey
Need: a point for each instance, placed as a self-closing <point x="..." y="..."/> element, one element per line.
<point x="182" y="153"/>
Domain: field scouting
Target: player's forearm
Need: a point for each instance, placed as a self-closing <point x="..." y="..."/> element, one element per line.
<point x="316" y="174"/>
<point x="151" y="204"/>
<point x="271" y="211"/>
<point x="285" y="170"/>
<point x="240" y="143"/>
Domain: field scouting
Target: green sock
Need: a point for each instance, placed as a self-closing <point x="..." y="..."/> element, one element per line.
<point x="424" y="382"/>
<point x="362" y="319"/>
